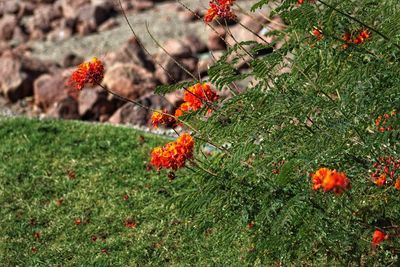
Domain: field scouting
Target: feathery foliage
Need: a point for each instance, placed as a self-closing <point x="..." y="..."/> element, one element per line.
<point x="313" y="103"/>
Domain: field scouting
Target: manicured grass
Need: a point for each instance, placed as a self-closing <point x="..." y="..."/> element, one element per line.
<point x="54" y="173"/>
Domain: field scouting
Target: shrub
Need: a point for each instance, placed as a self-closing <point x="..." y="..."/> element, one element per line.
<point x="320" y="113"/>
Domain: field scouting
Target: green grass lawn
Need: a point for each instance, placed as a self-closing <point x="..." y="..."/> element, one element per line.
<point x="55" y="174"/>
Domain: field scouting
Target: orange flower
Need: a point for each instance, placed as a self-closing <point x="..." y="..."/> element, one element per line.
<point x="182" y="109"/>
<point x="173" y="155"/>
<point x="161" y="118"/>
<point x="362" y="37"/>
<point x="219" y="9"/>
<point x="318" y="177"/>
<point x="317" y="33"/>
<point x="397" y="184"/>
<point x="330" y="180"/>
<point x="91" y="72"/>
<point x="381" y="180"/>
<point x="378" y="237"/>
<point x="194" y="98"/>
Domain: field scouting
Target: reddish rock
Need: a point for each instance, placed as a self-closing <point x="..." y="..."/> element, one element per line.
<point x="241" y="34"/>
<point x="203" y="66"/>
<point x="91" y="16"/>
<point x="93" y="104"/>
<point x="59" y="34"/>
<point x="7" y="26"/>
<point x="172" y="72"/>
<point x="129" y="80"/>
<point x="4" y="47"/>
<point x="19" y="36"/>
<point x="189" y="16"/>
<point x="70" y="7"/>
<point x="177" y="48"/>
<point x="133" y="114"/>
<point x="49" y="90"/>
<point x="36" y="35"/>
<point x="216" y="39"/>
<point x="109" y="24"/>
<point x="17" y="74"/>
<point x="26" y="9"/>
<point x="132" y="52"/>
<point x="194" y="43"/>
<point x="44" y="15"/>
<point x="11" y="7"/>
<point x="67" y="108"/>
<point x="141" y="5"/>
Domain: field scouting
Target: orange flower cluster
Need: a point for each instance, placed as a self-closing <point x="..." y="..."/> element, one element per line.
<point x="359" y="39"/>
<point x="195" y="96"/>
<point x="382" y="122"/>
<point x="219" y="9"/>
<point x="173" y="155"/>
<point x="317" y="33"/>
<point x="330" y="180"/>
<point x="386" y="171"/>
<point x="161" y="118"/>
<point x="378" y="237"/>
<point x="91" y="72"/>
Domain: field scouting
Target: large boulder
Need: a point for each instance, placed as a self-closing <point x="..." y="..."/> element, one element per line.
<point x="133" y="114"/>
<point x="132" y="52"/>
<point x="50" y="89"/>
<point x="66" y="108"/>
<point x="70" y="8"/>
<point x="171" y="72"/>
<point x="44" y="15"/>
<point x="17" y="74"/>
<point x="91" y="16"/>
<point x="129" y="80"/>
<point x="7" y="26"/>
<point x="94" y="103"/>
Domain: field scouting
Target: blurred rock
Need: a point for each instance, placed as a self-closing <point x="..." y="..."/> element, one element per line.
<point x="132" y="52"/>
<point x="171" y="72"/>
<point x="7" y="26"/>
<point x="44" y="15"/>
<point x="4" y="47"/>
<point x="241" y="34"/>
<point x="26" y="9"/>
<point x="49" y="90"/>
<point x="67" y="108"/>
<point x="216" y="38"/>
<point x="93" y="104"/>
<point x="194" y="43"/>
<point x="133" y="114"/>
<point x="129" y="80"/>
<point x="11" y="7"/>
<point x="91" y="16"/>
<point x="141" y="5"/>
<point x="177" y="48"/>
<point x="17" y="74"/>
<point x="189" y="16"/>
<point x="109" y="24"/>
<point x="70" y="7"/>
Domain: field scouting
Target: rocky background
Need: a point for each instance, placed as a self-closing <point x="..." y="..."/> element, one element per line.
<point x="41" y="41"/>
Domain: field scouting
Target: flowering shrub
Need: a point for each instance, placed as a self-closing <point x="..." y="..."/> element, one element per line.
<point x="311" y="105"/>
